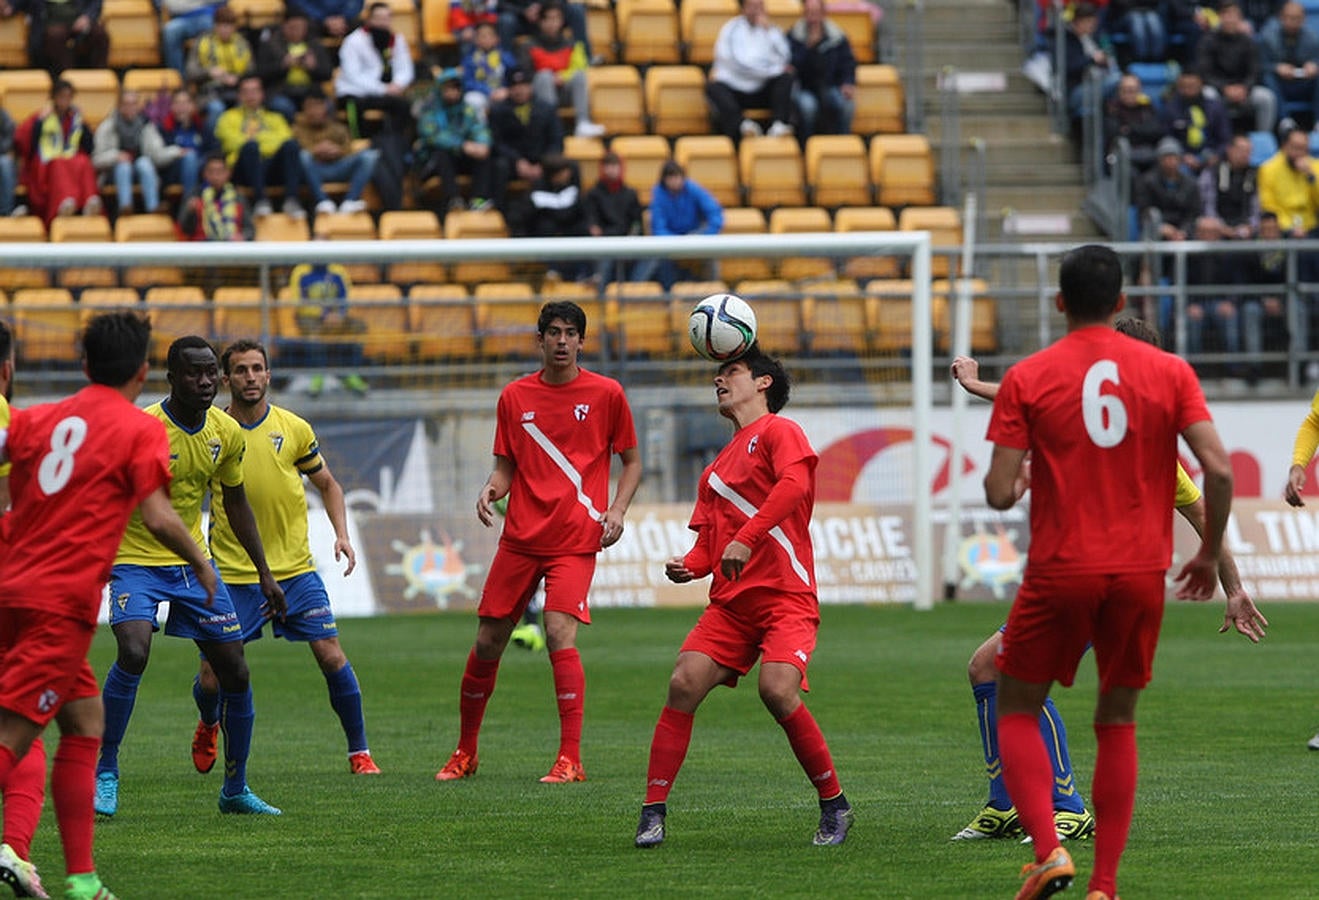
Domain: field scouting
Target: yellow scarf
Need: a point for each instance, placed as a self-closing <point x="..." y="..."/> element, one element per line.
<point x="220" y="213"/>
<point x="52" y="143"/>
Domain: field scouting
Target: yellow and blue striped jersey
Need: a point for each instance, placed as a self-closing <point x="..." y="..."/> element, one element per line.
<point x="1187" y="492"/>
<point x="212" y="452"/>
<point x="281" y="448"/>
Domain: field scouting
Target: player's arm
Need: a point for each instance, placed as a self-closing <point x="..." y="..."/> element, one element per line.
<point x="1199" y="575"/>
<point x="4" y="493"/>
<point x="696" y="564"/>
<point x="495" y="488"/>
<point x="967" y="373"/>
<point x="1307" y="441"/>
<point x="628" y="481"/>
<point x="160" y="518"/>
<point x="1004" y="483"/>
<point x="243" y="522"/>
<point x="1240" y="612"/>
<point x="337" y="511"/>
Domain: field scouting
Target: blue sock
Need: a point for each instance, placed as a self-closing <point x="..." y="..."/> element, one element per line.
<point x="236" y="717"/>
<point x="985" y="694"/>
<point x="346" y="699"/>
<point x="208" y="704"/>
<point x="117" y="696"/>
<point x="1066" y="796"/>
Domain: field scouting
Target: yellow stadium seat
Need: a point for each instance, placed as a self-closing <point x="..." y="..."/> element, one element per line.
<point x="648" y="32"/>
<point x="99" y="300"/>
<point x="890" y="314"/>
<point x="984" y="315"/>
<point x="834" y="318"/>
<point x="460" y="225"/>
<point x="638" y="311"/>
<point x="675" y="100"/>
<point x="744" y="220"/>
<point x="435" y="24"/>
<point x="642" y="156"/>
<point x="686" y="294"/>
<point x="353" y="227"/>
<point x="859" y="26"/>
<point x="711" y="161"/>
<point x="23" y="230"/>
<point x="13" y="39"/>
<point x="150" y="227"/>
<point x="868" y="218"/>
<point x="587" y="153"/>
<point x="98" y="92"/>
<point x="701" y="21"/>
<point x="772" y="171"/>
<point x="836" y="170"/>
<point x="176" y="312"/>
<point x="805" y="220"/>
<point x="255" y="15"/>
<point x="134" y="28"/>
<point x="382" y="307"/>
<point x="46" y="325"/>
<point x="616" y="99"/>
<point x="603" y="29"/>
<point x="83" y="229"/>
<point x="238" y="314"/>
<point x="881" y="103"/>
<point x="443" y="321"/>
<point x="281" y="227"/>
<point x="506" y="314"/>
<point x="406" y="20"/>
<point x="150" y="82"/>
<point x="412" y="225"/>
<point x="778" y="307"/>
<point x="24" y="90"/>
<point x="783" y="13"/>
<point x="902" y="168"/>
<point x="945" y="226"/>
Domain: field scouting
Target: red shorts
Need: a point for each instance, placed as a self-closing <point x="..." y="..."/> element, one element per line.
<point x="771" y="627"/>
<point x="513" y="578"/>
<point x="43" y="662"/>
<point x="1055" y="617"/>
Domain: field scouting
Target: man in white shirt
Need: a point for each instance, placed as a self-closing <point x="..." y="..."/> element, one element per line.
<point x="752" y="68"/>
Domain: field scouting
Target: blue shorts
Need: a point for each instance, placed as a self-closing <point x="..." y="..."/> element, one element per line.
<point x="137" y="591"/>
<point x="309" y="617"/>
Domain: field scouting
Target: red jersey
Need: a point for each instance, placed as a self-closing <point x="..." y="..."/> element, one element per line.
<point x="732" y="490"/>
<point x="81" y="466"/>
<point x="1100" y="413"/>
<point x="561" y="439"/>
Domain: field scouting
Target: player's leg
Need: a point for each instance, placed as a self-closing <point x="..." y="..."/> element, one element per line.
<point x="346" y="701"/>
<point x="237" y="715"/>
<point x="24" y="795"/>
<point x="567" y="584"/>
<point x="205" y="739"/>
<point x="1114" y="787"/>
<point x="118" y="695"/>
<point x="530" y="635"/>
<point x="997" y="819"/>
<point x="1070" y="818"/>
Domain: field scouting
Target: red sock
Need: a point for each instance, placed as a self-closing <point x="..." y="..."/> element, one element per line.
<point x="478" y="684"/>
<point x="812" y="752"/>
<point x="73" y="785"/>
<point x="24" y="794"/>
<point x="1028" y="775"/>
<point x="668" y="748"/>
<point x="8" y="762"/>
<point x="569" y="689"/>
<point x="1114" y="797"/>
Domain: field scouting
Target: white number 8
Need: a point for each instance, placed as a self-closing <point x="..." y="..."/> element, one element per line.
<point x="1104" y="415"/>
<point x="57" y="466"/>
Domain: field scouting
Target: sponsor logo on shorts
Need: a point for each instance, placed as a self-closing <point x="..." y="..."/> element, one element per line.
<point x="800" y="654"/>
<point x="48" y="700"/>
<point x="230" y="629"/>
<point x="216" y="619"/>
<point x="580" y="410"/>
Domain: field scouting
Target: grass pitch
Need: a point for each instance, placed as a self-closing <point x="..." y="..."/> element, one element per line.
<point x="1225" y="805"/>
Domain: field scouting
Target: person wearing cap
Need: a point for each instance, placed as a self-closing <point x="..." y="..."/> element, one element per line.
<point x="452" y="138"/>
<point x="485" y="66"/>
<point x="217" y="61"/>
<point x="292" y="64"/>
<point x="327" y="155"/>
<point x="523" y="130"/>
<point x="1170" y="190"/>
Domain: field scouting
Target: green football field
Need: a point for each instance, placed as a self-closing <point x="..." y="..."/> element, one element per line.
<point x="1225" y="809"/>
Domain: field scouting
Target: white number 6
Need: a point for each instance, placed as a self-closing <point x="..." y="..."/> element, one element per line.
<point x="1104" y="415"/>
<point x="57" y="466"/>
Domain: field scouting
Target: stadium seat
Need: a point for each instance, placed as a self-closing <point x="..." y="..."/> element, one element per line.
<point x="24" y="90"/>
<point x="150" y="82"/>
<point x="99" y="300"/>
<point x="382" y="307"/>
<point x="98" y="92"/>
<point x="281" y="227"/>
<point x="711" y="161"/>
<point x="783" y="13"/>
<point x="984" y="316"/>
<point x="638" y="312"/>
<point x="701" y="21"/>
<point x="412" y="225"/>
<point x="175" y="312"/>
<point x="443" y="321"/>
<point x="351" y="227"/>
<point x="13" y="39"/>
<point x="804" y="220"/>
<point x="778" y="306"/>
<point x="880" y="101"/>
<point x="506" y="315"/>
<point x="642" y="156"/>
<point x="81" y="230"/>
<point x="134" y="26"/>
<point x="834" y="318"/>
<point x="238" y="314"/>
<point x="744" y="220"/>
<point x="648" y="32"/>
<point x="406" y="21"/>
<point x="890" y="314"/>
<point x="435" y="24"/>
<point x="902" y="169"/>
<point x="836" y="170"/>
<point x="464" y="225"/>
<point x="1263" y="144"/>
<point x="945" y="226"/>
<point x="772" y="171"/>
<point x="859" y="26"/>
<point x="868" y="218"/>
<point x="254" y="15"/>
<point x="46" y="325"/>
<point x="1155" y="78"/>
<point x="587" y="153"/>
<point x="675" y="100"/>
<point x="154" y="228"/>
<point x="616" y="99"/>
<point x="23" y="230"/>
<point x="603" y="30"/>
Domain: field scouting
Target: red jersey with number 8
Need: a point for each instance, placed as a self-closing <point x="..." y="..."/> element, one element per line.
<point x="80" y="468"/>
<point x="1100" y="413"/>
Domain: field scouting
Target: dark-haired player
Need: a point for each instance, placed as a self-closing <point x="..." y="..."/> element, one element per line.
<point x="556" y="433"/>
<point x="752" y="523"/>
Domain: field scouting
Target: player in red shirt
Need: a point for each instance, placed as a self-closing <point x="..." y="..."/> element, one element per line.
<point x="752" y="523"/>
<point x="1101" y="404"/>
<point x="555" y="435"/>
<point x="80" y="467"/>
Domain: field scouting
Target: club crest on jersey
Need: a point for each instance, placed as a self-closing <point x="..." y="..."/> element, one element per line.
<point x="213" y="445"/>
<point x="277" y="440"/>
<point x="751" y="444"/>
<point x="580" y="410"/>
<point x="529" y="416"/>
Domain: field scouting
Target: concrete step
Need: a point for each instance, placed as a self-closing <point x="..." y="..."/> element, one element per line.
<point x="1005" y="155"/>
<point x="998" y="130"/>
<point x="989" y="56"/>
<point x="999" y="34"/>
<point x="939" y="15"/>
<point x="1061" y="198"/>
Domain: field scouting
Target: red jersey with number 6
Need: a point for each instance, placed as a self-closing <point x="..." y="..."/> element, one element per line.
<point x="80" y="468"/>
<point x="1100" y="413"/>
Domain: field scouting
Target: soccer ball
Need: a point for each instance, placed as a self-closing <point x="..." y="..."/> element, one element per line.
<point x="722" y="327"/>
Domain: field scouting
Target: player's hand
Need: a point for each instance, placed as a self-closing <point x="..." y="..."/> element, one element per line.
<point x="1295" y="481"/>
<point x="611" y="529"/>
<point x="207" y="579"/>
<point x="965" y="369"/>
<point x="1021" y="484"/>
<point x="1242" y="615"/>
<point x="344" y="550"/>
<point x="736" y="555"/>
<point x="275" y="606"/>
<point x="1197" y="579"/>
<point x="485" y="505"/>
<point x="676" y="571"/>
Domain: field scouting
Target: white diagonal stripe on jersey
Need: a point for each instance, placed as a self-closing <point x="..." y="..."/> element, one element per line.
<point x="565" y="466"/>
<point x="744" y="505"/>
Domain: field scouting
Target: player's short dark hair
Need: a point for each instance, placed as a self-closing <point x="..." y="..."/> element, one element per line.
<point x="114" y="346"/>
<point x="570" y="312"/>
<point x="1090" y="280"/>
<point x="242" y="345"/>
<point x="174" y="358"/>
<point x="1139" y="329"/>
<point x="761" y="363"/>
<point x="6" y="340"/>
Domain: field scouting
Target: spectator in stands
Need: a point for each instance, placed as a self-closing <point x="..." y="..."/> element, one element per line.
<point x="128" y="147"/>
<point x="1207" y="274"/>
<point x="292" y="64"/>
<point x="485" y="67"/>
<point x="184" y="128"/>
<point x="453" y="138"/>
<point x="8" y="167"/>
<point x="1197" y="121"/>
<point x="560" y="62"/>
<point x="1289" y="186"/>
<point x="826" y="73"/>
<point x="55" y="147"/>
<point x="1142" y="22"/>
<point x="678" y="205"/>
<point x="1258" y="12"/>
<point x="1289" y="59"/>
<point x="1229" y="193"/>
<point x="375" y="71"/>
<point x="466" y="16"/>
<point x="1170" y="192"/>
<point x="612" y="210"/>
<point x="188" y="19"/>
<point x="66" y="34"/>
<point x="328" y="18"/>
<point x="558" y="209"/>
<point x="323" y="291"/>
<point x="217" y="211"/>
<point x="1264" y="317"/>
<point x="259" y="144"/>
<point x="752" y="68"/>
<point x="523" y="130"/>
<point x="218" y="60"/>
<point x="1131" y="114"/>
<point x="1229" y="62"/>
<point x="521" y="18"/>
<point x="1083" y="52"/>
<point x="327" y="155"/>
